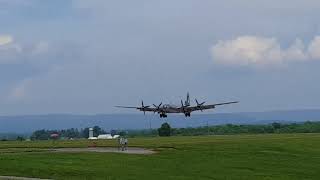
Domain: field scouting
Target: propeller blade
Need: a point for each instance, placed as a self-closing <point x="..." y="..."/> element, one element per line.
<point x="158" y="107"/>
<point x="182" y="106"/>
<point x="199" y="104"/>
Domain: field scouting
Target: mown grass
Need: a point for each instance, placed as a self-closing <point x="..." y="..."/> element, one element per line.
<point x="276" y="156"/>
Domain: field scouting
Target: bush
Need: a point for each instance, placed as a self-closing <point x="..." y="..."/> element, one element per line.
<point x="164" y="130"/>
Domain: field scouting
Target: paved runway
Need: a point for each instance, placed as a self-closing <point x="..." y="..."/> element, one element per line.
<point x="18" y="178"/>
<point x="130" y="150"/>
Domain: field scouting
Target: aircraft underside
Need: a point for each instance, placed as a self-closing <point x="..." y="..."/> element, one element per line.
<point x="164" y="115"/>
<point x="185" y="107"/>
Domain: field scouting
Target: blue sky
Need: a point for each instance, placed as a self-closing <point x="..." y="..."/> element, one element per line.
<point x="84" y="57"/>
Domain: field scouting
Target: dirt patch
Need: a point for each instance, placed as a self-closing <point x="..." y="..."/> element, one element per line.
<point x="130" y="150"/>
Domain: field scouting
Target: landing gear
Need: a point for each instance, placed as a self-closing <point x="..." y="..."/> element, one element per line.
<point x="162" y="115"/>
<point x="187" y="114"/>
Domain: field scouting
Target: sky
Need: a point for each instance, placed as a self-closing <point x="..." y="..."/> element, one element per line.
<point x="85" y="57"/>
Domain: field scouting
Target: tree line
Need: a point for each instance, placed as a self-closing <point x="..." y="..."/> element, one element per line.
<point x="73" y="133"/>
<point x="229" y="129"/>
<point x="167" y="130"/>
<point x="307" y="127"/>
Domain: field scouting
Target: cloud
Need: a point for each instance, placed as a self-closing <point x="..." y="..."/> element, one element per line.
<point x="8" y="46"/>
<point x="9" y="50"/>
<point x="314" y="48"/>
<point x="5" y="39"/>
<point x="261" y="51"/>
<point x="12" y="52"/>
<point x="295" y="52"/>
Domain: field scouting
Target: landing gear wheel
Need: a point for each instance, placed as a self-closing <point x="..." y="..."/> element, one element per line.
<point x="163" y="115"/>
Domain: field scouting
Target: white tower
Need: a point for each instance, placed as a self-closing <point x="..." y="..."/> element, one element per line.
<point x="90" y="133"/>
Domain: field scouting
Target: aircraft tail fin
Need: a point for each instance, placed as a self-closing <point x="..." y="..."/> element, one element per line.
<point x="187" y="102"/>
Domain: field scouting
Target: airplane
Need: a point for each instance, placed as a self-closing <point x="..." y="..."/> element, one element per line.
<point x="185" y="107"/>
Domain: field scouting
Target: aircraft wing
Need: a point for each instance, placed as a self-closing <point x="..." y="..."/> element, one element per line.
<point x="209" y="106"/>
<point x="131" y="107"/>
<point x="219" y="104"/>
<point x="139" y="108"/>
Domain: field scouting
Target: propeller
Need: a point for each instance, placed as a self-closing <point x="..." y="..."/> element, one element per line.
<point x="199" y="105"/>
<point x="143" y="108"/>
<point x="158" y="107"/>
<point x="185" y="111"/>
<point x="183" y="106"/>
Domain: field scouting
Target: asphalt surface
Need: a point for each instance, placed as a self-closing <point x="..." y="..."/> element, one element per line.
<point x="18" y="178"/>
<point x="129" y="150"/>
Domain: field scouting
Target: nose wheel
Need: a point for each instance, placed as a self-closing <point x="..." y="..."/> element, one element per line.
<point x="187" y="114"/>
<point x="162" y="115"/>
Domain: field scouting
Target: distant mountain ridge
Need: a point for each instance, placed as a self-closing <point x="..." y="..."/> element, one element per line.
<point x="29" y="123"/>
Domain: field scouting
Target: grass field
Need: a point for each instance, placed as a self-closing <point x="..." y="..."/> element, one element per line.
<point x="277" y="156"/>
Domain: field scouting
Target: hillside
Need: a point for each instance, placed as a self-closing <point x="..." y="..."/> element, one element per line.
<point x="29" y="123"/>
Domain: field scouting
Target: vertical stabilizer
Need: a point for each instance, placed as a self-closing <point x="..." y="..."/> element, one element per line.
<point x="187" y="102"/>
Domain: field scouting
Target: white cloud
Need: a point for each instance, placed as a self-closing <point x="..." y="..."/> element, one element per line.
<point x="5" y="39"/>
<point x="260" y="51"/>
<point x="247" y="50"/>
<point x="9" y="50"/>
<point x="295" y="52"/>
<point x="12" y="52"/>
<point x="314" y="48"/>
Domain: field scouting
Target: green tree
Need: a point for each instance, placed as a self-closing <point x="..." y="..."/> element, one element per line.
<point x="85" y="132"/>
<point x="164" y="130"/>
<point x="20" y="138"/>
<point x="97" y="131"/>
<point x="276" y="125"/>
<point x="40" y="135"/>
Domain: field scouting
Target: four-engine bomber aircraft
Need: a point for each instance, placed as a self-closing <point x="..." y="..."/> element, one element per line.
<point x="185" y="108"/>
